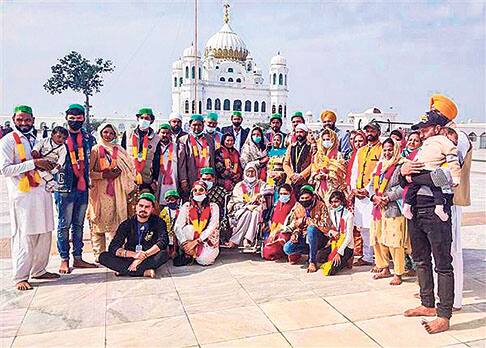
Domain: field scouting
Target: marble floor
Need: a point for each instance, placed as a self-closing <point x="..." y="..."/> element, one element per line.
<point x="240" y="301"/>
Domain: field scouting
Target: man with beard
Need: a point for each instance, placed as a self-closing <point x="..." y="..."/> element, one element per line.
<point x="296" y="119"/>
<point x="140" y="243"/>
<point x="275" y="127"/>
<point x="31" y="209"/>
<point x="195" y="151"/>
<point x="236" y="130"/>
<point x="328" y="119"/>
<point x="211" y="128"/>
<point x="175" y="121"/>
<point x="168" y="162"/>
<point x="298" y="159"/>
<point x="72" y="194"/>
<point x="367" y="159"/>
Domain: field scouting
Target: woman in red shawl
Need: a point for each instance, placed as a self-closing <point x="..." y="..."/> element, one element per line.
<point x="273" y="245"/>
<point x="227" y="163"/>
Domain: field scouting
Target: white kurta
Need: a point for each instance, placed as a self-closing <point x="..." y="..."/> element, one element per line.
<point x="31" y="213"/>
<point x="164" y="152"/>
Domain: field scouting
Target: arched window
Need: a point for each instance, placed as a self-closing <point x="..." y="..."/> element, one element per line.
<point x="285" y="79"/>
<point x="217" y="104"/>
<point x="264" y="106"/>
<point x="285" y="110"/>
<point x="187" y="72"/>
<point x="230" y="69"/>
<point x="175" y="81"/>
<point x="280" y="79"/>
<point x="274" y="109"/>
<point x="199" y="73"/>
<point x="255" y="106"/>
<point x="482" y="141"/>
<point x="193" y="72"/>
<point x="193" y="108"/>
<point x="274" y="79"/>
<point x="248" y="106"/>
<point x="226" y="104"/>
<point x="280" y="109"/>
<point x="230" y="79"/>
<point x="238" y="80"/>
<point x="186" y="106"/>
<point x="237" y="105"/>
<point x="180" y="81"/>
<point x="200" y="107"/>
<point x="473" y="137"/>
<point x="209" y="104"/>
<point x="221" y="79"/>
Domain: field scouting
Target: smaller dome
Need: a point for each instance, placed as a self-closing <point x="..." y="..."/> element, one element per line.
<point x="190" y="52"/>
<point x="177" y="65"/>
<point x="373" y="110"/>
<point x="278" y="60"/>
<point x="257" y="71"/>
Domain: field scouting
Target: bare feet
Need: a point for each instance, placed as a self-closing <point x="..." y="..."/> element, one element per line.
<point x="420" y="311"/>
<point x="437" y="325"/>
<point x="361" y="262"/>
<point x="397" y="280"/>
<point x="79" y="263"/>
<point x="246" y="243"/>
<point x="385" y="273"/>
<point x="410" y="273"/>
<point x="48" y="275"/>
<point x="376" y="269"/>
<point x="23" y="285"/>
<point x="230" y="245"/>
<point x="64" y="268"/>
<point x="312" y="268"/>
<point x="149" y="273"/>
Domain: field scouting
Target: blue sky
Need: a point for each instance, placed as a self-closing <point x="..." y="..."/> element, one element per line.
<point x="342" y="55"/>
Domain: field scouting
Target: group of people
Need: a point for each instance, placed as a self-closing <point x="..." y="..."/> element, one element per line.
<point x="330" y="198"/>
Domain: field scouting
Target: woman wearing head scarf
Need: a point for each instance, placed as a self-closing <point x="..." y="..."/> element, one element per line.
<point x="227" y="162"/>
<point x="328" y="172"/>
<point x="245" y="207"/>
<point x="196" y="226"/>
<point x="275" y="172"/>
<point x="112" y="180"/>
<point x="388" y="230"/>
<point x="254" y="150"/>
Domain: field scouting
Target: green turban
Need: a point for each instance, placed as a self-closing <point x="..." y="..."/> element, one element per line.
<point x="76" y="106"/>
<point x="171" y="193"/>
<point x="297" y="114"/>
<point x="212" y="116"/>
<point x="197" y="117"/>
<point x="276" y="116"/>
<point x="23" y="108"/>
<point x="148" y="196"/>
<point x="147" y="111"/>
<point x="164" y="126"/>
<point x="207" y="170"/>
<point x="307" y="188"/>
<point x="237" y="113"/>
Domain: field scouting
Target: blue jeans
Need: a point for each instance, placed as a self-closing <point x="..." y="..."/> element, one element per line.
<point x="314" y="241"/>
<point x="71" y="209"/>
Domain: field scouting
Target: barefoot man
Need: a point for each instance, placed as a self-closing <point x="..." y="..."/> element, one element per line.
<point x="31" y="208"/>
<point x="430" y="236"/>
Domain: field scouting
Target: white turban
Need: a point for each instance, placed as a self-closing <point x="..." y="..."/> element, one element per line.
<point x="175" y="116"/>
<point x="303" y="127"/>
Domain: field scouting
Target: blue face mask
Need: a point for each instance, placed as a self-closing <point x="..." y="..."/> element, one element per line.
<point x="143" y="124"/>
<point x="284" y="198"/>
<point x="339" y="209"/>
<point x="199" y="198"/>
<point x="256" y="139"/>
<point x="209" y="184"/>
<point x="173" y="205"/>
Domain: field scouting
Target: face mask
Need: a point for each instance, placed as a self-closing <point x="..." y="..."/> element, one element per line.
<point x="176" y="129"/>
<point x="199" y="198"/>
<point x="210" y="130"/>
<point x="339" y="209"/>
<point x="250" y="180"/>
<point x="173" y="205"/>
<point x="284" y="198"/>
<point x="300" y="138"/>
<point x="256" y="139"/>
<point x="209" y="184"/>
<point x="327" y="144"/>
<point x="197" y="134"/>
<point x="75" y="125"/>
<point x="143" y="124"/>
<point x="306" y="204"/>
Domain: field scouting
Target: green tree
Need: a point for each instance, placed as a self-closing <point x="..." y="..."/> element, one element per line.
<point x="78" y="74"/>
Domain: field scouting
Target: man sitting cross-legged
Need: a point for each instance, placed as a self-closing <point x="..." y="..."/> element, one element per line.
<point x="139" y="246"/>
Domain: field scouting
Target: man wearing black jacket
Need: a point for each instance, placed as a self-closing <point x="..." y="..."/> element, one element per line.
<point x="236" y="130"/>
<point x="140" y="243"/>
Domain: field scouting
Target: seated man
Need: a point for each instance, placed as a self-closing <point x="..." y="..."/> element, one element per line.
<point x="169" y="215"/>
<point x="139" y="245"/>
<point x="309" y="228"/>
<point x="197" y="228"/>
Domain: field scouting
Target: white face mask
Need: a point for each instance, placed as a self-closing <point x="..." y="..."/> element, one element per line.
<point x="143" y="124"/>
<point x="327" y="143"/>
<point x="250" y="179"/>
<point x="210" y="130"/>
<point x="199" y="198"/>
<point x="209" y="184"/>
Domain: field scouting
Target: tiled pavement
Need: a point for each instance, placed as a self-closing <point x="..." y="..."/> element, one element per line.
<point x="240" y="301"/>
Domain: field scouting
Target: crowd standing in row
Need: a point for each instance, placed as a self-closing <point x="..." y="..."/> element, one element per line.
<point x="341" y="198"/>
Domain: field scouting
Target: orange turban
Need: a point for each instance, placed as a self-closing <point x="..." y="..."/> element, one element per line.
<point x="328" y="115"/>
<point x="444" y="105"/>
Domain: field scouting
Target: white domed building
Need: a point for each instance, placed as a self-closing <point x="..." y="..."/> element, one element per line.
<point x="228" y="80"/>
